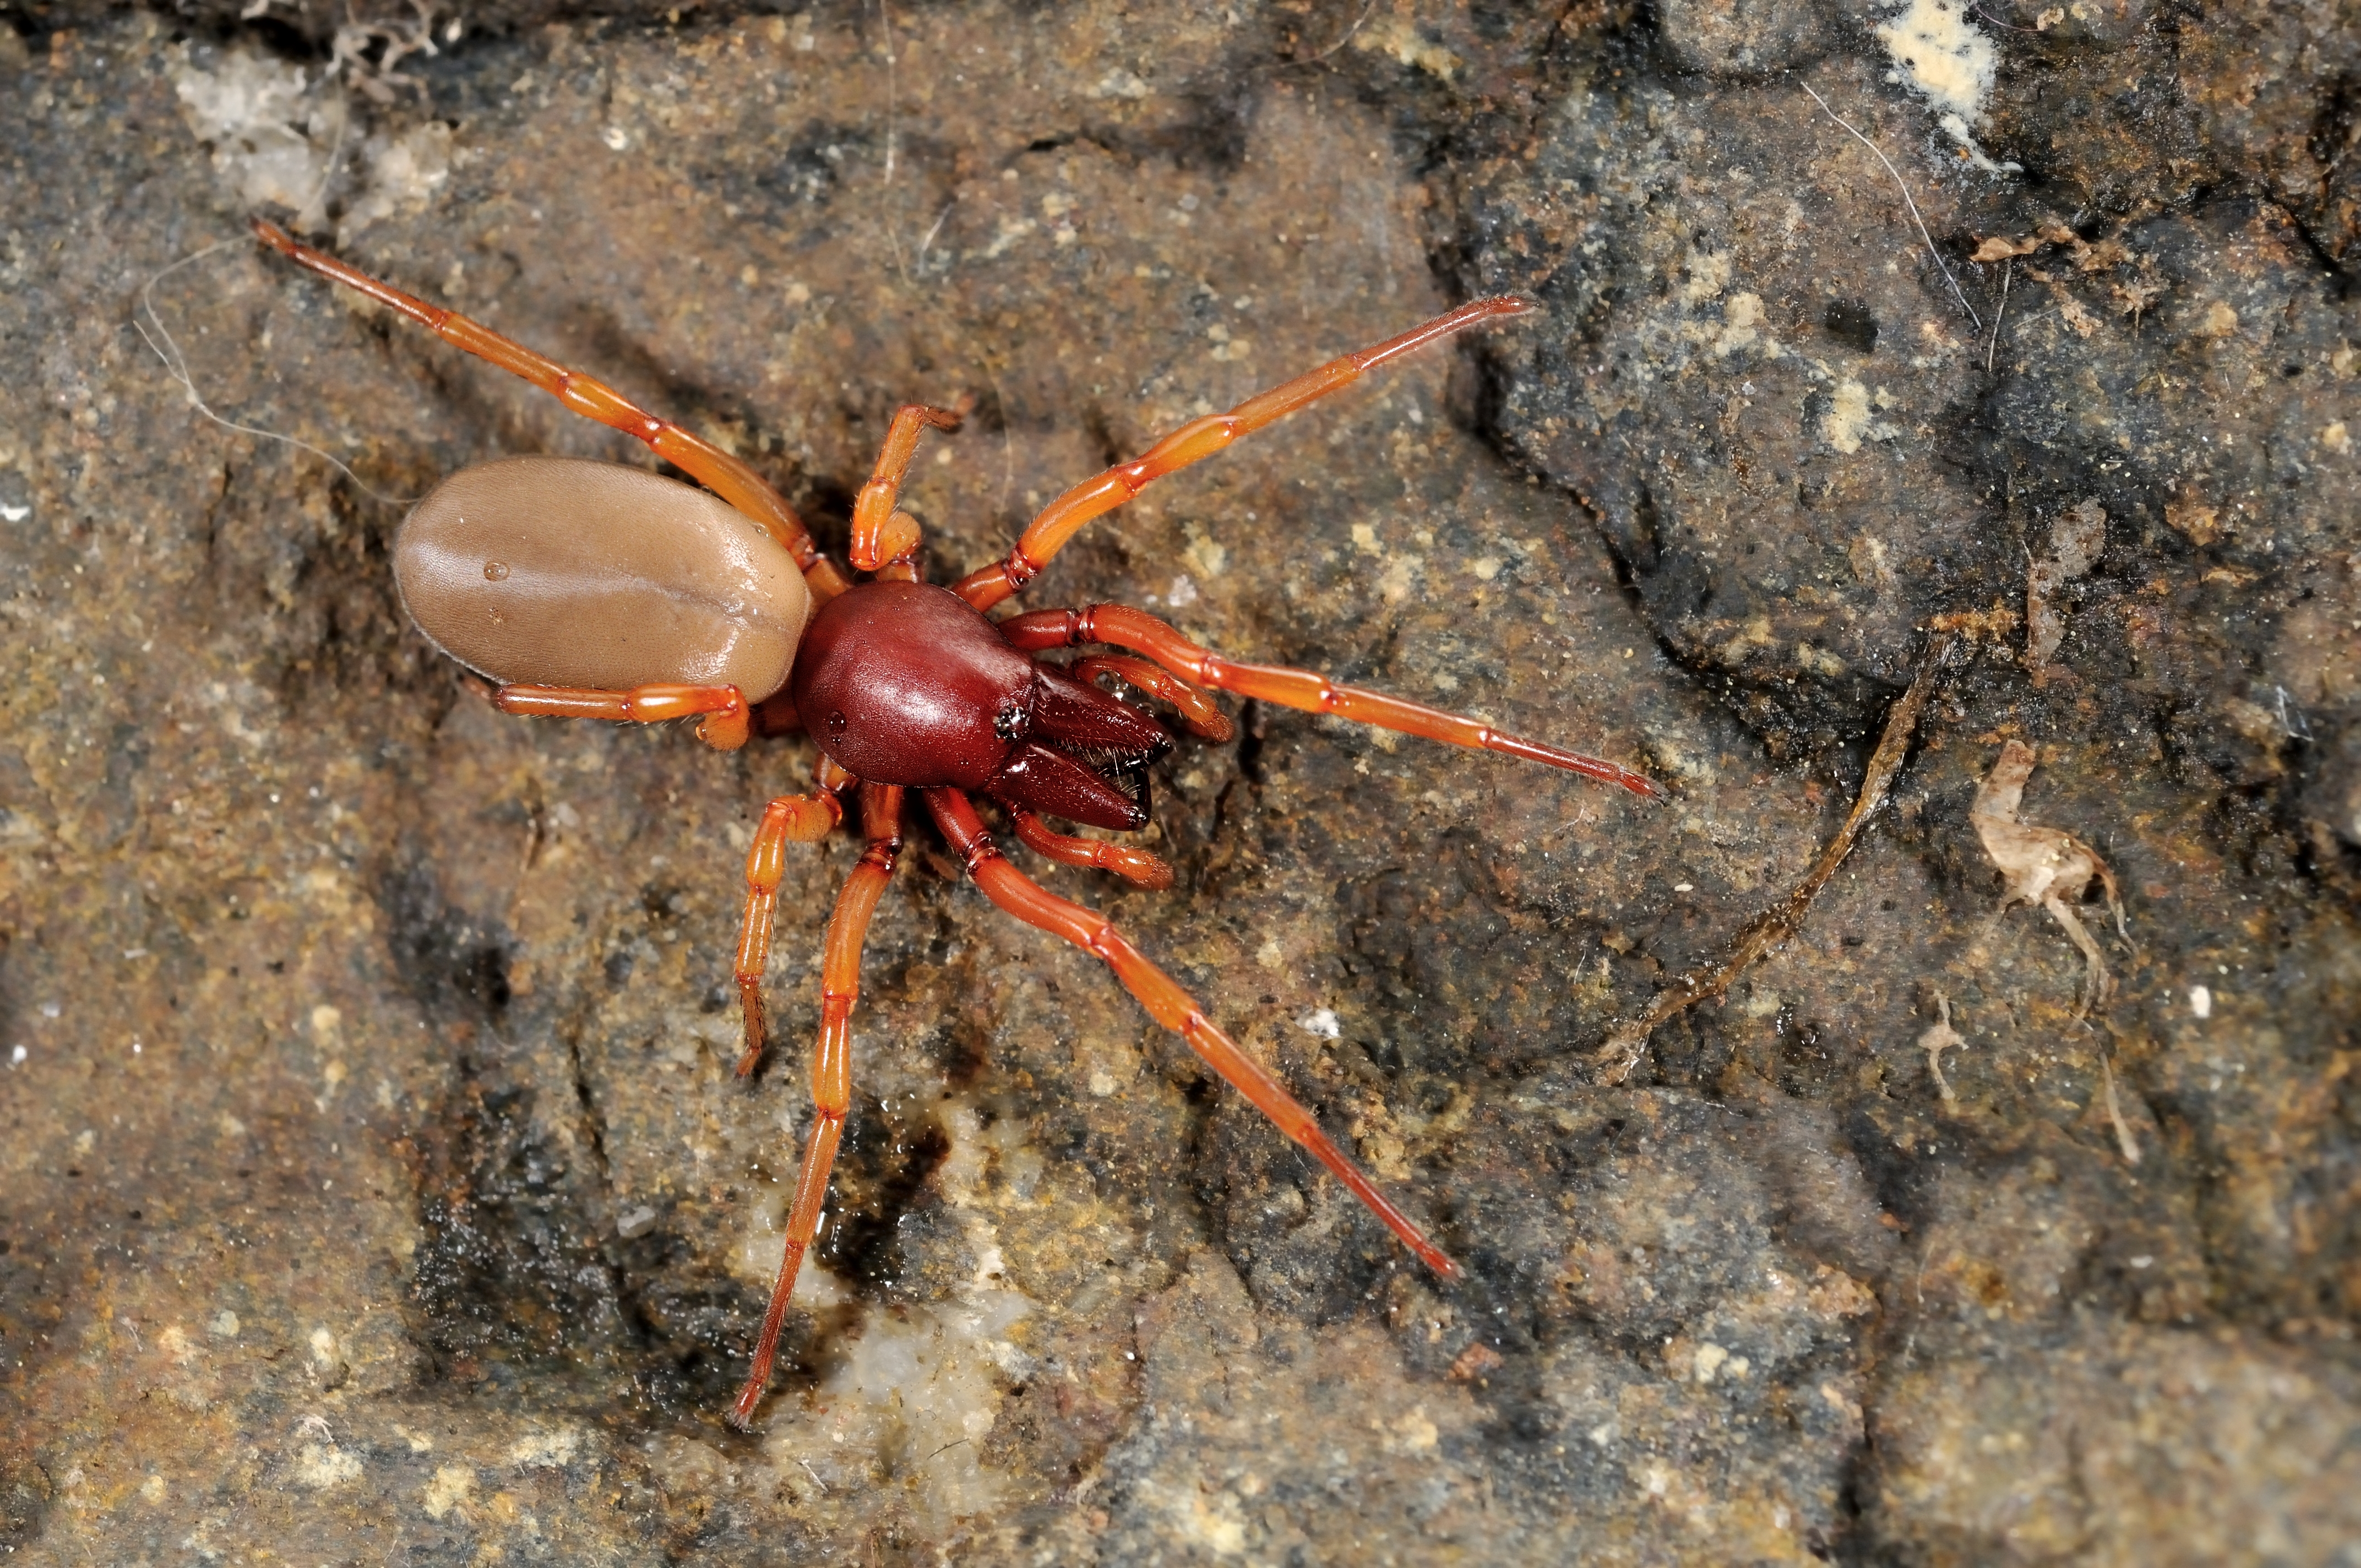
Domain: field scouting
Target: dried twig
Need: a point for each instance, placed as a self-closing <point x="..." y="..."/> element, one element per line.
<point x="1769" y="929"/>
<point x="2124" y="1139"/>
<point x="1907" y="200"/>
<point x="2000" y="314"/>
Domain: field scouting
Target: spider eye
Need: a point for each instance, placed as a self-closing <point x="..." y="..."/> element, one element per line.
<point x="836" y="726"/>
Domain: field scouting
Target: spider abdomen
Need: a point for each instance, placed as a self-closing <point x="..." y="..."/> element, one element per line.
<point x="553" y="571"/>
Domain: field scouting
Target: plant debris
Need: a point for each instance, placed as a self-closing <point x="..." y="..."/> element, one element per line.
<point x="2044" y="865"/>
<point x="1940" y="1037"/>
<point x="1768" y="930"/>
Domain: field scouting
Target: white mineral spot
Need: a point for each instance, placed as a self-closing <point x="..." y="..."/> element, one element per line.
<point x="1414" y="1433"/>
<point x="152" y="1489"/>
<point x="915" y="1390"/>
<point x="2201" y="1000"/>
<point x="545" y="1450"/>
<point x="1322" y="1023"/>
<point x="635" y="1221"/>
<point x="1707" y="1361"/>
<point x="14" y="514"/>
<point x="1183" y="593"/>
<point x="1216" y="1523"/>
<point x="319" y="1465"/>
<point x="1742" y="321"/>
<point x="447" y="1490"/>
<point x="271" y="135"/>
<point x="405" y="172"/>
<point x="1101" y="1083"/>
<point x="225" y="1325"/>
<point x="1847" y="416"/>
<point x="1950" y="63"/>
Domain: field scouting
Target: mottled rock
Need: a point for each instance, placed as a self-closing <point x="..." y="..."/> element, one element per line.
<point x="378" y="1190"/>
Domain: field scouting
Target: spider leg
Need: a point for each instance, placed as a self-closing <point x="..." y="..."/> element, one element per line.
<point x="1124" y="626"/>
<point x="1134" y="866"/>
<point x="882" y="536"/>
<point x="1197" y="710"/>
<point x="880" y="814"/>
<point x="789" y="819"/>
<point x="725" y="475"/>
<point x="724" y="726"/>
<point x="1199" y="439"/>
<point x="1167" y="1003"/>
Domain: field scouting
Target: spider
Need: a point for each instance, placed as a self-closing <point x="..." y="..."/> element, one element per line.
<point x="593" y="590"/>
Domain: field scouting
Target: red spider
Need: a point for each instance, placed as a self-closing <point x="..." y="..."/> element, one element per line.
<point x="591" y="590"/>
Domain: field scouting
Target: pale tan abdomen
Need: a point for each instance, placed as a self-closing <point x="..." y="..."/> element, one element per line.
<point x="554" y="571"/>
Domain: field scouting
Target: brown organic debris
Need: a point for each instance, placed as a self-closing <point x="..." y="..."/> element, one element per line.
<point x="2076" y="540"/>
<point x="2044" y="865"/>
<point x="2196" y="521"/>
<point x="2000" y="248"/>
<point x="1940" y="1037"/>
<point x="1477" y="1361"/>
<point x="1770" y="929"/>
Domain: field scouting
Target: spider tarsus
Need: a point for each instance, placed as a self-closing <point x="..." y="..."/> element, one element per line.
<point x="749" y="998"/>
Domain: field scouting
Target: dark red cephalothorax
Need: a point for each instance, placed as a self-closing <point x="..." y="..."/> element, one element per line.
<point x="908" y="684"/>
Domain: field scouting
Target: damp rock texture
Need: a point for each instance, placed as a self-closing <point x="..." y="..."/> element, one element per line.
<point x="373" y="1185"/>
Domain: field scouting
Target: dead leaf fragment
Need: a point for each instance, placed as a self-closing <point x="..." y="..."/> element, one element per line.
<point x="2199" y="524"/>
<point x="2000" y="248"/>
<point x="2076" y="537"/>
<point x="2043" y="865"/>
<point x="2219" y="321"/>
<point x="1477" y="1361"/>
<point x="1940" y="1037"/>
<point x="2076" y="540"/>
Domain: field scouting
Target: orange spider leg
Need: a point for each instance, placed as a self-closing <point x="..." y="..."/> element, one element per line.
<point x="880" y="535"/>
<point x="1136" y="866"/>
<point x="1197" y="709"/>
<point x="724" y="726"/>
<point x="839" y="987"/>
<point x="789" y="819"/>
<point x="1136" y="629"/>
<point x="1167" y="1003"/>
<point x="725" y="475"/>
<point x="1063" y="518"/>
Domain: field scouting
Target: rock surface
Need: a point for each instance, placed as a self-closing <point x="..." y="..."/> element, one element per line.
<point x="376" y="1187"/>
